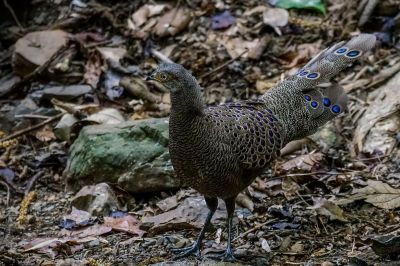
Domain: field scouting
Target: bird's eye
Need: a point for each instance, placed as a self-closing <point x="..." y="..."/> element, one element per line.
<point x="164" y="77"/>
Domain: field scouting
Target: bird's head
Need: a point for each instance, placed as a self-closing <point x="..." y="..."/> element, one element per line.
<point x="172" y="76"/>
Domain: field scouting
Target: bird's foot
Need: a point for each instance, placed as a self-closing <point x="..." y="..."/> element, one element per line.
<point x="193" y="249"/>
<point x="227" y="255"/>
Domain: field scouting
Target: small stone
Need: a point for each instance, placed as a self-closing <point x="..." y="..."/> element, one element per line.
<point x="98" y="200"/>
<point x="180" y="244"/>
<point x="251" y="236"/>
<point x="66" y="93"/>
<point x="149" y="242"/>
<point x="94" y="243"/>
<point x="35" y="49"/>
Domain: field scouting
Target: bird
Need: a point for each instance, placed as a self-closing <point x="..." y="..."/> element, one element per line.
<point x="220" y="150"/>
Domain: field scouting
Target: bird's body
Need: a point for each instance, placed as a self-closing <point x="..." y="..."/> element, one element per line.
<point x="220" y="150"/>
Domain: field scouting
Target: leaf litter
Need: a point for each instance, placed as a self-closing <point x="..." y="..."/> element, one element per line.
<point x="298" y="211"/>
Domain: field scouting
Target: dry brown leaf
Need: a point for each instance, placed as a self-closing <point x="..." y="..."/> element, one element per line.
<point x="245" y="201"/>
<point x="107" y="116"/>
<point x="128" y="224"/>
<point x="377" y="193"/>
<point x="237" y="46"/>
<point x="168" y="203"/>
<point x="276" y="17"/>
<point x="45" y="134"/>
<point x="145" y="12"/>
<point x="329" y="209"/>
<point x="303" y="162"/>
<point x="374" y="129"/>
<point x="93" y="70"/>
<point x="289" y="187"/>
<point x="190" y="214"/>
<point x="173" y="22"/>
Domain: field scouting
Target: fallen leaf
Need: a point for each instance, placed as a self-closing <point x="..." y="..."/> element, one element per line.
<point x="45" y="134"/>
<point x="190" y="214"/>
<point x="289" y="187"/>
<point x="386" y="245"/>
<point x="93" y="69"/>
<point x="329" y="209"/>
<point x="377" y="193"/>
<point x="173" y="22"/>
<point x="245" y="201"/>
<point x="128" y="224"/>
<point x="107" y="116"/>
<point x="264" y="245"/>
<point x="303" y="163"/>
<point x="78" y="218"/>
<point x="145" y="12"/>
<point x="36" y="48"/>
<point x="374" y="130"/>
<point x="223" y="20"/>
<point x="168" y="203"/>
<point x="237" y="46"/>
<point x="276" y="17"/>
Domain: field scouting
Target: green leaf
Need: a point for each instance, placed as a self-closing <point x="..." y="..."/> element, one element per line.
<point x="302" y="4"/>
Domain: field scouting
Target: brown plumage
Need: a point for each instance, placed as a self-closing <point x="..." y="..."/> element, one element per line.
<point x="220" y="150"/>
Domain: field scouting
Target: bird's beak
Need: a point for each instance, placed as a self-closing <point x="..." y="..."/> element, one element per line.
<point x="149" y="78"/>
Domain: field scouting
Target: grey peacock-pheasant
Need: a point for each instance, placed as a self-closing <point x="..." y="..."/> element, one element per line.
<point x="220" y="150"/>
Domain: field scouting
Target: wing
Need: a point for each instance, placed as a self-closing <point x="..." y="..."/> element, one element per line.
<point x="250" y="129"/>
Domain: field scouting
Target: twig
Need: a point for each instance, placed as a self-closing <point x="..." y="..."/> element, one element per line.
<point x="258" y="226"/>
<point x="160" y="56"/>
<point x="223" y="65"/>
<point x="8" y="192"/>
<point x="31" y="182"/>
<point x="33" y="116"/>
<point x="36" y="72"/>
<point x="13" y="15"/>
<point x="32" y="128"/>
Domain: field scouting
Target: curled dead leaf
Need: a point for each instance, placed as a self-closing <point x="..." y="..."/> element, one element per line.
<point x="329" y="209"/>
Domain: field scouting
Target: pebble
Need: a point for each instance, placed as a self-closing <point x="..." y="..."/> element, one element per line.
<point x="180" y="243"/>
<point x="94" y="243"/>
<point x="251" y="236"/>
<point x="149" y="242"/>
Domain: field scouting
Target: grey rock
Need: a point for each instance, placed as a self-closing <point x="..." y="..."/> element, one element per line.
<point x="6" y="84"/>
<point x="98" y="199"/>
<point x="66" y="92"/>
<point x="132" y="154"/>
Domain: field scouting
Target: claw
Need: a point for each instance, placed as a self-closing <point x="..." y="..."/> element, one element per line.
<point x="187" y="251"/>
<point x="228" y="256"/>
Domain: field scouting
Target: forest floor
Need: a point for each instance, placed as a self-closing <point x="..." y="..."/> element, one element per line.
<point x="331" y="199"/>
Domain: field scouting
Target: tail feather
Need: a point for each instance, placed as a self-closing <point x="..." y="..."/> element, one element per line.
<point x="329" y="62"/>
<point x="300" y="104"/>
<point x="325" y="104"/>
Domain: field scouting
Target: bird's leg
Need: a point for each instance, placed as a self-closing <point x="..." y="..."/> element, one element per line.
<point x="212" y="204"/>
<point x="230" y="207"/>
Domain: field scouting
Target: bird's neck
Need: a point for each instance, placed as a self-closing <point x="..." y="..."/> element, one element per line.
<point x="187" y="103"/>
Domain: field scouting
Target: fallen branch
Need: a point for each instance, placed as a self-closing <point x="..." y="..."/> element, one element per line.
<point x="223" y="65"/>
<point x="32" y="128"/>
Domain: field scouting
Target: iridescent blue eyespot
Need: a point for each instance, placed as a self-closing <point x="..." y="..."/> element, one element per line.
<point x="327" y="102"/>
<point x="313" y="75"/>
<point x="335" y="109"/>
<point x="307" y="97"/>
<point x="353" y="53"/>
<point x="302" y="74"/>
<point x="341" y="50"/>
<point x="314" y="104"/>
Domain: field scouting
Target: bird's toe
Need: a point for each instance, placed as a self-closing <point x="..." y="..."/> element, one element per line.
<point x="193" y="249"/>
